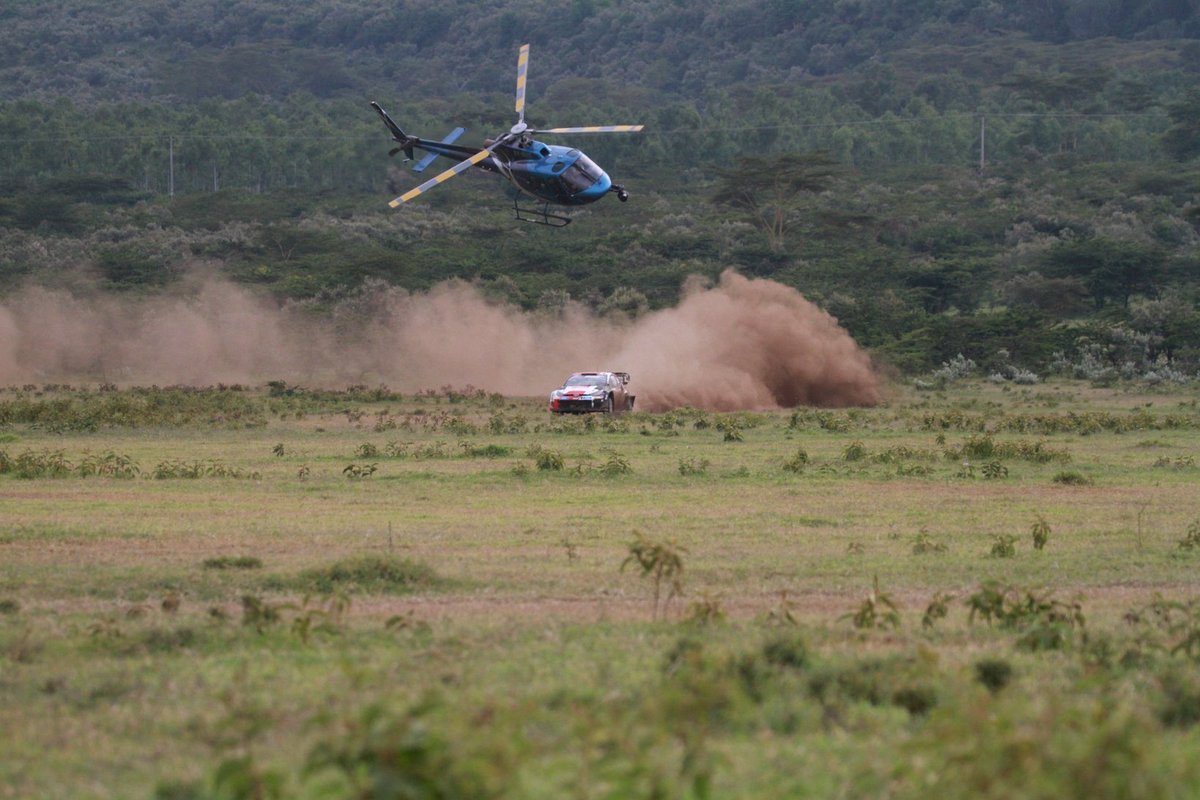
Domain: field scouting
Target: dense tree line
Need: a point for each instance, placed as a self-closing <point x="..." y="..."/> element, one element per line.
<point x="995" y="176"/>
<point x="185" y="50"/>
<point x="300" y="142"/>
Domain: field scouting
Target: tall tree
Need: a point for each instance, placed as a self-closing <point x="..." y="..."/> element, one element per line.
<point x="768" y="189"/>
<point x="1182" y="139"/>
<point x="1110" y="269"/>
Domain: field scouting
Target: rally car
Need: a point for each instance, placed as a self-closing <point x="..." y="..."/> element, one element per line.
<point x="593" y="391"/>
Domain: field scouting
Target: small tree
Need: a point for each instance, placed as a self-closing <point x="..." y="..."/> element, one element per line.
<point x="768" y="189"/>
<point x="661" y="561"/>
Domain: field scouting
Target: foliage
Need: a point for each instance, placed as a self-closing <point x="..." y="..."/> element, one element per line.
<point x="355" y="471"/>
<point x="1045" y="623"/>
<point x="232" y="562"/>
<point x="1191" y="538"/>
<point x="1072" y="478"/>
<point x="370" y="574"/>
<point x="994" y="470"/>
<point x="1004" y="545"/>
<point x="533" y="681"/>
<point x="797" y="462"/>
<point x="924" y="543"/>
<point x="1040" y="531"/>
<point x="938" y="608"/>
<point x="731" y="428"/>
<point x="209" y="468"/>
<point x="615" y="464"/>
<point x="855" y="451"/>
<point x="1066" y="747"/>
<point x="768" y="189"/>
<point x="1178" y="620"/>
<point x="994" y="673"/>
<point x="547" y="460"/>
<point x="662" y="562"/>
<point x="390" y="755"/>
<point x="878" y="610"/>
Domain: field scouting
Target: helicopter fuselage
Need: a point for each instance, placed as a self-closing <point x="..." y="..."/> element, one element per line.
<point x="551" y="173"/>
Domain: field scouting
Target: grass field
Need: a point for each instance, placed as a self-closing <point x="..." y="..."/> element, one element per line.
<point x="230" y="593"/>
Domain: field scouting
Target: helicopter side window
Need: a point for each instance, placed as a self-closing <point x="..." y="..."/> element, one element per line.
<point x="558" y="166"/>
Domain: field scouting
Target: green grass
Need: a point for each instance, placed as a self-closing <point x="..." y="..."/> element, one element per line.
<point x="291" y="631"/>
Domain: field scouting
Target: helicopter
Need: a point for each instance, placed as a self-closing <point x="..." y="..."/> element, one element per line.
<point x="551" y="174"/>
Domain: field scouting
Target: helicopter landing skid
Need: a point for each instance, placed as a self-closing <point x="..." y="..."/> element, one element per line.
<point x="540" y="215"/>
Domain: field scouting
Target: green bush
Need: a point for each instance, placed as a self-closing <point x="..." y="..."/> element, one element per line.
<point x="232" y="562"/>
<point x="371" y="574"/>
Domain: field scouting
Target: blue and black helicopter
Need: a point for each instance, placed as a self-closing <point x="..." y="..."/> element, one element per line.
<point x="552" y="174"/>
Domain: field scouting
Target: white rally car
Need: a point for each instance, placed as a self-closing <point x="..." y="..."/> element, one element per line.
<point x="593" y="391"/>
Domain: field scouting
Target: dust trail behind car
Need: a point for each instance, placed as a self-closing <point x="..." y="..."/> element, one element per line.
<point x="745" y="344"/>
<point x="741" y="344"/>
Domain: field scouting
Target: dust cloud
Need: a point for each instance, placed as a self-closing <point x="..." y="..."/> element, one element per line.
<point x="742" y="344"/>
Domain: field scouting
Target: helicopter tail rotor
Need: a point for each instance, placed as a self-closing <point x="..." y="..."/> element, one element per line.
<point x="406" y="141"/>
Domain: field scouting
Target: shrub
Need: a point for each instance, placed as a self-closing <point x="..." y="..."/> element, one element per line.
<point x="662" y="562"/>
<point x="994" y="673"/>
<point x="108" y="465"/>
<point x="372" y="574"/>
<point x="366" y="450"/>
<point x="1191" y="539"/>
<point x="615" y="465"/>
<point x="259" y="614"/>
<point x="855" y="451"/>
<point x="1040" y="530"/>
<point x="359" y="471"/>
<point x="924" y="543"/>
<point x="994" y="470"/>
<point x="798" y="462"/>
<point x="955" y="369"/>
<point x="1075" y="746"/>
<point x="786" y="651"/>
<point x="1072" y="478"/>
<point x="232" y="562"/>
<point x="705" y="611"/>
<point x="550" y="460"/>
<point x="485" y="451"/>
<point x="1004" y="545"/>
<point x="198" y="469"/>
<point x="730" y="428"/>
<point x="403" y="755"/>
<point x="1044" y="622"/>
<point x="878" y="610"/>
<point x="938" y="608"/>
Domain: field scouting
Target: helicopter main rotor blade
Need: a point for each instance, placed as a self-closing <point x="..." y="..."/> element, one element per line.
<point x="461" y="166"/>
<point x="593" y="129"/>
<point x="522" y="69"/>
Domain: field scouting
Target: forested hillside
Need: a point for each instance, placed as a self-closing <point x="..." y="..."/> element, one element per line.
<point x="1012" y="176"/>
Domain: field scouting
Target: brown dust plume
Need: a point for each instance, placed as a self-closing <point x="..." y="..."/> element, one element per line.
<point x="739" y="345"/>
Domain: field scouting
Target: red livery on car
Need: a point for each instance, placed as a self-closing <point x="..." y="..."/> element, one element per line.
<point x="593" y="391"/>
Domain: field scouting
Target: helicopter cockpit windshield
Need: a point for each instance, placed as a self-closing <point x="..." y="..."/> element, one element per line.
<point x="581" y="175"/>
